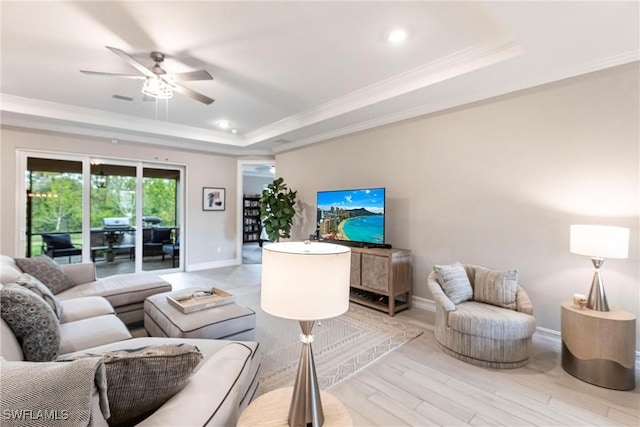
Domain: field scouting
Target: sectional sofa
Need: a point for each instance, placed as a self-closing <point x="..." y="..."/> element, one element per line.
<point x="222" y="384"/>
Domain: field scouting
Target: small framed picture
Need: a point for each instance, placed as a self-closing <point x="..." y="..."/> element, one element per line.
<point x="213" y="199"/>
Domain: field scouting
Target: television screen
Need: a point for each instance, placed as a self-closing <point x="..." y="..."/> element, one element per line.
<point x="352" y="215"/>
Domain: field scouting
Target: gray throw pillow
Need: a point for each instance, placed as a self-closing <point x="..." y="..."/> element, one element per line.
<point x="38" y="288"/>
<point x="454" y="282"/>
<point x="32" y="321"/>
<point x="141" y="380"/>
<point x="47" y="271"/>
<point x="496" y="287"/>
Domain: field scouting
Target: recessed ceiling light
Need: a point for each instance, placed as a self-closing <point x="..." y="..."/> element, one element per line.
<point x="234" y="130"/>
<point x="224" y="124"/>
<point x="397" y="35"/>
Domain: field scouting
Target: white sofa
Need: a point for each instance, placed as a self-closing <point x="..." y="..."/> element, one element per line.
<point x="223" y="384"/>
<point x="125" y="292"/>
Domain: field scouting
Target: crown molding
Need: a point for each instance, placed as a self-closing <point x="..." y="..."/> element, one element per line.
<point x="481" y="93"/>
<point x="15" y="106"/>
<point x="466" y="60"/>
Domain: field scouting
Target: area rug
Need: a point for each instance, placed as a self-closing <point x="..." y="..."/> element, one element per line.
<point x="342" y="346"/>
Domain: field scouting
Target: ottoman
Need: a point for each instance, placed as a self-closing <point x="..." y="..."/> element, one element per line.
<point x="229" y="321"/>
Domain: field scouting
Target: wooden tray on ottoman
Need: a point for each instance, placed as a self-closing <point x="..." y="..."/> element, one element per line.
<point x="190" y="303"/>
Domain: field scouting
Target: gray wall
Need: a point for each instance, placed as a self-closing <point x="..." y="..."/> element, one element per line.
<point x="205" y="230"/>
<point x="498" y="183"/>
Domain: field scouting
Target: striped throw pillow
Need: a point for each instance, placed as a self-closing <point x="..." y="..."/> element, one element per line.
<point x="454" y="282"/>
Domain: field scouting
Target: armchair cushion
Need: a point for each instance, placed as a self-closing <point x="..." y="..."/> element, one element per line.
<point x="490" y="321"/>
<point x="58" y="241"/>
<point x="454" y="281"/>
<point x="47" y="271"/>
<point x="139" y="381"/>
<point x="32" y="321"/>
<point x="496" y="287"/>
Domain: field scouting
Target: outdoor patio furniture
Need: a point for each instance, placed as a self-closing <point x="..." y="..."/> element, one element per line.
<point x="172" y="249"/>
<point x="58" y="245"/>
<point x="158" y="236"/>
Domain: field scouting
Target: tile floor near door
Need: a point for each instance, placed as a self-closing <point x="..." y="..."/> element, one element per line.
<point x="419" y="385"/>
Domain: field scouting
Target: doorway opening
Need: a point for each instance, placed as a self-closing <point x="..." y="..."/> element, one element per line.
<point x="255" y="178"/>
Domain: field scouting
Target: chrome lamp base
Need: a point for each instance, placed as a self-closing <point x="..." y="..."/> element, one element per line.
<point x="306" y="406"/>
<point x="597" y="299"/>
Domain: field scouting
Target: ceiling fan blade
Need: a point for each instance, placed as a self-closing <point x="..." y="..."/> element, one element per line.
<point x="133" y="62"/>
<point x="190" y="76"/>
<point x="192" y="94"/>
<point x="99" y="73"/>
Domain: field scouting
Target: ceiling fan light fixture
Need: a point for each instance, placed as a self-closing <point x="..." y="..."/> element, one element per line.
<point x="157" y="88"/>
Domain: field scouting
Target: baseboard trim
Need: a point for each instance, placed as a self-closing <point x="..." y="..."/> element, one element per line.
<point x="423" y="304"/>
<point x="212" y="264"/>
<point x="430" y="306"/>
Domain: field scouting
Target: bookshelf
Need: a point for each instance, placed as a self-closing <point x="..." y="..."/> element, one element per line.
<point x="251" y="218"/>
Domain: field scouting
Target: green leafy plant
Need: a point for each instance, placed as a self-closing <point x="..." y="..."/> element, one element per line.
<point x="277" y="210"/>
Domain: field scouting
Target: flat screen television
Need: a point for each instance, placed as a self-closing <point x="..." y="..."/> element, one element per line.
<point x="352" y="215"/>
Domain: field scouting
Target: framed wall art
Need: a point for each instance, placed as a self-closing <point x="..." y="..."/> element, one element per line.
<point x="213" y="199"/>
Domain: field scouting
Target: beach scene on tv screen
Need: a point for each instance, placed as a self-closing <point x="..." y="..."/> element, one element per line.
<point x="355" y="215"/>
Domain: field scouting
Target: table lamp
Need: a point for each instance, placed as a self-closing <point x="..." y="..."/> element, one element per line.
<point x="305" y="281"/>
<point x="599" y="242"/>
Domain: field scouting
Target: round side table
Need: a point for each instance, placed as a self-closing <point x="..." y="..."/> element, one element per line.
<point x="272" y="410"/>
<point x="599" y="346"/>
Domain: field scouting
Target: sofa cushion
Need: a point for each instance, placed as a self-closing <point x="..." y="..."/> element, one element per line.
<point x="83" y="308"/>
<point x="10" y="348"/>
<point x="490" y="321"/>
<point x="9" y="271"/>
<point x="139" y="381"/>
<point x="32" y="321"/>
<point x="496" y="287"/>
<point x="91" y="332"/>
<point x="120" y="289"/>
<point x="215" y="394"/>
<point x="36" y="286"/>
<point x="61" y="394"/>
<point x="454" y="282"/>
<point x="47" y="271"/>
<point x="222" y="385"/>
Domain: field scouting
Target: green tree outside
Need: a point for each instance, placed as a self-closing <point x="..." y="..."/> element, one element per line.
<point x="56" y="203"/>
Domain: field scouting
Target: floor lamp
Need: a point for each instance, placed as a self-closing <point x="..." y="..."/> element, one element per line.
<point x="305" y="281"/>
<point x="599" y="242"/>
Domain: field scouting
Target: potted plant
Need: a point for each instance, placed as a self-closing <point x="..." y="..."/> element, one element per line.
<point x="111" y="238"/>
<point x="277" y="210"/>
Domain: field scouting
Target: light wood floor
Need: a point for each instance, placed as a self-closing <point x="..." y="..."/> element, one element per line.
<point x="419" y="385"/>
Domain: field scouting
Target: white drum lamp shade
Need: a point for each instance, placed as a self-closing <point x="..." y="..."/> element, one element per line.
<point x="599" y="242"/>
<point x="305" y="281"/>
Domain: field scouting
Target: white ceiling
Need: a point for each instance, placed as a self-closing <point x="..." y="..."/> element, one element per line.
<point x="287" y="74"/>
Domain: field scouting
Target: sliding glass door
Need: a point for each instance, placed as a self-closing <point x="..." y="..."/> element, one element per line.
<point x="124" y="216"/>
<point x="113" y="217"/>
<point x="54" y="209"/>
<point x="160" y="218"/>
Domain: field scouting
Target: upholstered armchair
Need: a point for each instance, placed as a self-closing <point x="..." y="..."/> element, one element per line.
<point x="489" y="324"/>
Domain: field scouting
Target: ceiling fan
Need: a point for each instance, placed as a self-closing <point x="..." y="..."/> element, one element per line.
<point x="157" y="82"/>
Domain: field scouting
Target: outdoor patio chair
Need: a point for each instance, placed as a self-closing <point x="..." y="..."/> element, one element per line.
<point x="58" y="245"/>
